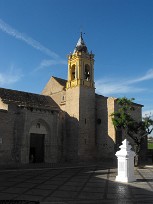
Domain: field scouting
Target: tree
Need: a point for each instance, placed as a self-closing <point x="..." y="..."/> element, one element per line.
<point x="137" y="130"/>
<point x="122" y="117"/>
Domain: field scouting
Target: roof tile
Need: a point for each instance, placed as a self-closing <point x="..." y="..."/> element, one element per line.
<point x="27" y="99"/>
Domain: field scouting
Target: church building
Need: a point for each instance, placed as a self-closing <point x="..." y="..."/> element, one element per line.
<point x="68" y="121"/>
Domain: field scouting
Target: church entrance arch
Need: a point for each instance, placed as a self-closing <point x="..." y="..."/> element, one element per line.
<point x="38" y="134"/>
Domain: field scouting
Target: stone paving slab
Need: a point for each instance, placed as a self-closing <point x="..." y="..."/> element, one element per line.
<point x="78" y="185"/>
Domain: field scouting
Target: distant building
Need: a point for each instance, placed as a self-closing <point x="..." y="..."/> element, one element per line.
<point x="67" y="122"/>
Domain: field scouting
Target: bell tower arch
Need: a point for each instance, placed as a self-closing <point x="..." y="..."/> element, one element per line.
<point x="80" y="102"/>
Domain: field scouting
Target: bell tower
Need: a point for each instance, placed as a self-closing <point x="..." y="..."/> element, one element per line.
<point x="80" y="103"/>
<point x="80" y="66"/>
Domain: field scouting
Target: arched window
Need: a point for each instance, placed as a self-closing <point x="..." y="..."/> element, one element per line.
<point x="38" y="125"/>
<point x="73" y="72"/>
<point x="87" y="72"/>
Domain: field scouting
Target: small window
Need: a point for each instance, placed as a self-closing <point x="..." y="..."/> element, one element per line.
<point x="85" y="121"/>
<point x="63" y="98"/>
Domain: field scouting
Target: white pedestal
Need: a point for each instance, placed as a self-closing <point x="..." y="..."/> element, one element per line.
<point x="125" y="158"/>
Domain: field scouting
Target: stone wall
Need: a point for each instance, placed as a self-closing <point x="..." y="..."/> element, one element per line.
<point x="72" y="123"/>
<point x="16" y="126"/>
<point x="111" y="107"/>
<point x="50" y="122"/>
<point x="56" y="92"/>
<point x="104" y="128"/>
<point x="87" y="139"/>
<point x="7" y="133"/>
<point x="80" y="109"/>
<point x="51" y="87"/>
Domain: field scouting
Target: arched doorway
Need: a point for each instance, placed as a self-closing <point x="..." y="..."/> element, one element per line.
<point x="36" y="153"/>
<point x="37" y="133"/>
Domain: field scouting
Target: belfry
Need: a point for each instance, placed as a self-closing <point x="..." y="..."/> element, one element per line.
<point x="80" y="66"/>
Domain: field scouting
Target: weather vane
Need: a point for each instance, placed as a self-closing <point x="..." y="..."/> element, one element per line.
<point x="81" y="31"/>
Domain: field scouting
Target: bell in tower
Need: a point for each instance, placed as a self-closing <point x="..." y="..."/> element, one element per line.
<point x="80" y="66"/>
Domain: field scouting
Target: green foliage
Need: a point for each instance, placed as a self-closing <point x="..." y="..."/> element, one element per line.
<point x="123" y="119"/>
<point x="150" y="145"/>
<point x="148" y="124"/>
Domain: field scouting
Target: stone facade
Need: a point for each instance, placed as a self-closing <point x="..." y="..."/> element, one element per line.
<point x="104" y="142"/>
<point x="80" y="122"/>
<point x="67" y="122"/>
<point x="19" y="122"/>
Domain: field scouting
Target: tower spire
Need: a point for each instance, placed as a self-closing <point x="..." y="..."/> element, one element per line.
<point x="80" y="46"/>
<point x="81" y="34"/>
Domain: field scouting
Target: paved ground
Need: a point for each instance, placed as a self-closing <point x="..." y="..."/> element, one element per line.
<point x="91" y="184"/>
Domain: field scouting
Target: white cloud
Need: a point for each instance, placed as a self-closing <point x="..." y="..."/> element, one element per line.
<point x="118" y="86"/>
<point x="147" y="113"/>
<point x="28" y="40"/>
<point x="33" y="43"/>
<point x="49" y="63"/>
<point x="10" y="77"/>
<point x="147" y="76"/>
<point x="115" y="87"/>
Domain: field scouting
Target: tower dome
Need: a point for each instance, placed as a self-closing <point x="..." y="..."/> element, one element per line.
<point x="81" y="46"/>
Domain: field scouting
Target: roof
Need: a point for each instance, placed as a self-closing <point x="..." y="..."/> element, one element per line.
<point x="62" y="82"/>
<point x="81" y="46"/>
<point x="27" y="99"/>
<point x="100" y="96"/>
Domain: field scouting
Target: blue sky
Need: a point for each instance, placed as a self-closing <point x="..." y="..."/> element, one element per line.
<point x="37" y="35"/>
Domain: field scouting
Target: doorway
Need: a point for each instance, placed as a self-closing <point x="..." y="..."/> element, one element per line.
<point x="36" y="154"/>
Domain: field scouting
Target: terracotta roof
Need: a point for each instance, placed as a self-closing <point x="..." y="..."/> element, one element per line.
<point x="62" y="82"/>
<point x="27" y="99"/>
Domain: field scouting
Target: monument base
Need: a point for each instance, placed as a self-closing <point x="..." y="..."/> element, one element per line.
<point x="125" y="157"/>
<point x="125" y="179"/>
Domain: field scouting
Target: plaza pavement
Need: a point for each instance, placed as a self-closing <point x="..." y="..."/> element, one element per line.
<point x="90" y="184"/>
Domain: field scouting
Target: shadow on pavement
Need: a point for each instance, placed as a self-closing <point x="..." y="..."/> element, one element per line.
<point x="79" y="185"/>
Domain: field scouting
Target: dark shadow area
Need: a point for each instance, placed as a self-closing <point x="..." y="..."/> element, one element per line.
<point x="144" y="180"/>
<point x="36" y="154"/>
<point x="18" y="202"/>
<point x="80" y="185"/>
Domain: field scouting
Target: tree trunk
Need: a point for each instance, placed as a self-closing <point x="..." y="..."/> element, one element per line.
<point x="137" y="156"/>
<point x="136" y="160"/>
